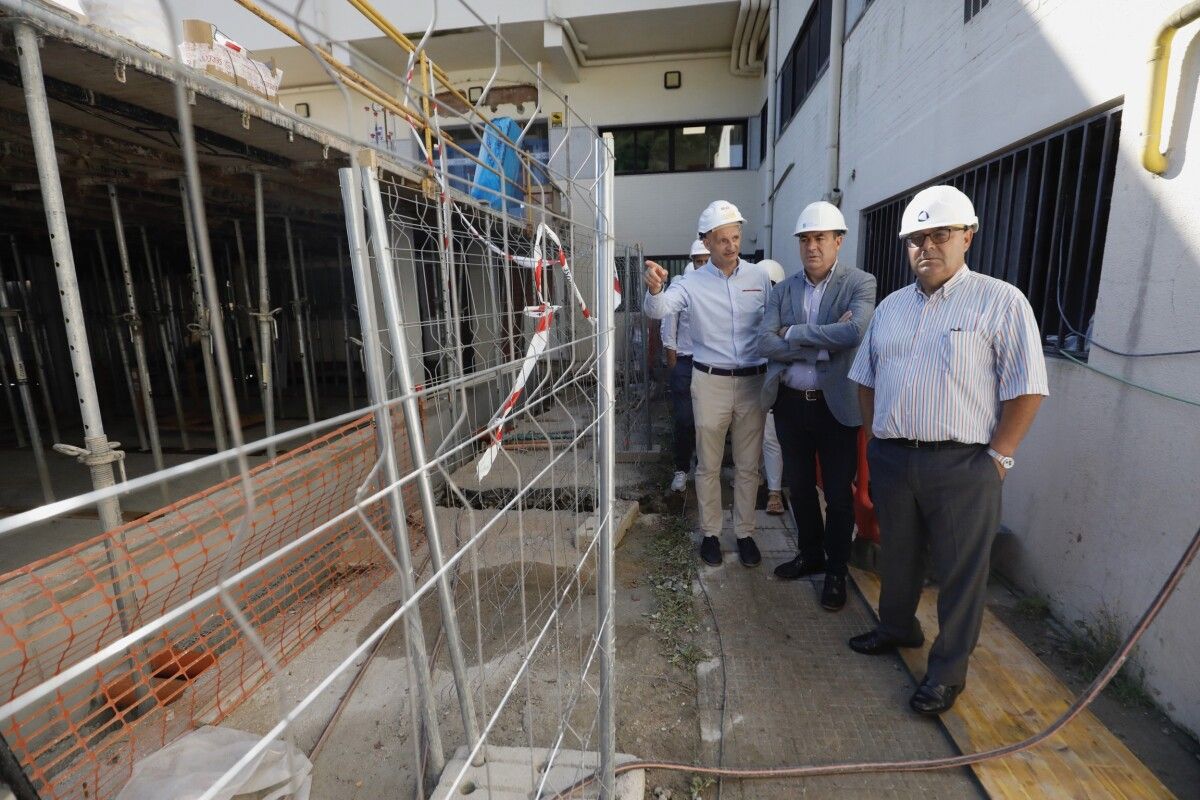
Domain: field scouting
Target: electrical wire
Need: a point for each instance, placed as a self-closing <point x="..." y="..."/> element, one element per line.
<point x="1076" y="708"/>
<point x="1129" y="383"/>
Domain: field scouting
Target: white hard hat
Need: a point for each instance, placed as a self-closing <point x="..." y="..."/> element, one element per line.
<point x="774" y="270"/>
<point x="698" y="249"/>
<point x="820" y="216"/>
<point x="938" y="207"/>
<point x="718" y="213"/>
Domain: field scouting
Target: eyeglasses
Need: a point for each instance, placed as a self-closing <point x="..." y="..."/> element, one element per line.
<point x="939" y="236"/>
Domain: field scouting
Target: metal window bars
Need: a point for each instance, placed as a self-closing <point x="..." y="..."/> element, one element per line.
<point x="455" y="501"/>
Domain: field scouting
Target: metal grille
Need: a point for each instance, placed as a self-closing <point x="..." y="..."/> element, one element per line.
<point x="971" y="8"/>
<point x="1043" y="213"/>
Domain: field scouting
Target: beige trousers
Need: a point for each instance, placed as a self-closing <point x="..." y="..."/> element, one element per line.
<point x="719" y="404"/>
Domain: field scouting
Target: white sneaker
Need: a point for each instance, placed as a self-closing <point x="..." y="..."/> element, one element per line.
<point x="679" y="482"/>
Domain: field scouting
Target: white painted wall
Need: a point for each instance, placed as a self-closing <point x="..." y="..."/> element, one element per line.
<point x="1104" y="495"/>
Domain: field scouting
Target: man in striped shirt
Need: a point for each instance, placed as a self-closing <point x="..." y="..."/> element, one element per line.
<point x="951" y="374"/>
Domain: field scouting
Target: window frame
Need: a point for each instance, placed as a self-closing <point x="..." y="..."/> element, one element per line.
<point x="972" y="8"/>
<point x="671" y="128"/>
<point x="795" y="81"/>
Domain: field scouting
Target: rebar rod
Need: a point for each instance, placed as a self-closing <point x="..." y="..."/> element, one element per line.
<point x="352" y="199"/>
<point x="164" y="338"/>
<point x="126" y="372"/>
<point x="135" y="333"/>
<point x="204" y="321"/>
<point x="33" y="321"/>
<point x="265" y="319"/>
<point x="13" y="337"/>
<point x="394" y="317"/>
<point x="298" y="315"/>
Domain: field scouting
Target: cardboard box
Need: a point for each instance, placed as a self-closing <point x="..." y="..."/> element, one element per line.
<point x="207" y="49"/>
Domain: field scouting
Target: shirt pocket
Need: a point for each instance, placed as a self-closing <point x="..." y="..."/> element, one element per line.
<point x="968" y="353"/>
<point x="749" y="304"/>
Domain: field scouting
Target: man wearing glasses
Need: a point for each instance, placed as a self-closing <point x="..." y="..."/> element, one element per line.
<point x="951" y="374"/>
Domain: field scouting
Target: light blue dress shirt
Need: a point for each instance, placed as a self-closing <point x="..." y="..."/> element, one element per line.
<point x="725" y="313"/>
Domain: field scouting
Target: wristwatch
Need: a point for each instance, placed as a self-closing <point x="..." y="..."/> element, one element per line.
<point x="1005" y="461"/>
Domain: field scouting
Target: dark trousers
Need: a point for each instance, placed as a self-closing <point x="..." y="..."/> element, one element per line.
<point x="948" y="500"/>
<point x="807" y="430"/>
<point x="679" y="390"/>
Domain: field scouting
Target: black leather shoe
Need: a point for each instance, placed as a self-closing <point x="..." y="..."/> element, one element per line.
<point x="710" y="551"/>
<point x="748" y="552"/>
<point x="934" y="698"/>
<point x="875" y="643"/>
<point x="798" y="568"/>
<point x="833" y="593"/>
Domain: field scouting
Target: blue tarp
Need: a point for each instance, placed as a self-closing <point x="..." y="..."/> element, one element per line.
<point x="501" y="157"/>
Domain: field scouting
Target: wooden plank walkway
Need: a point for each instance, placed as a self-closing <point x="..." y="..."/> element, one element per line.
<point x="1012" y="695"/>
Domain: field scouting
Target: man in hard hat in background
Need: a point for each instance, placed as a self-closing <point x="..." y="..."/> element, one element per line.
<point x="952" y="374"/>
<point x="677" y="343"/>
<point x="724" y="300"/>
<point x="811" y="331"/>
<point x="772" y="452"/>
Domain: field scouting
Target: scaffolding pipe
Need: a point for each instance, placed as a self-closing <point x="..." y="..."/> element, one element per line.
<point x="298" y="315"/>
<point x="313" y="331"/>
<point x="346" y="330"/>
<point x="233" y="321"/>
<point x="13" y="337"/>
<point x="352" y="200"/>
<point x="243" y="281"/>
<point x="394" y="318"/>
<point x="606" y="442"/>
<point x="34" y="323"/>
<point x="266" y="320"/>
<point x="135" y="333"/>
<point x="134" y="403"/>
<point x="204" y="321"/>
<point x="12" y="404"/>
<point x="164" y="338"/>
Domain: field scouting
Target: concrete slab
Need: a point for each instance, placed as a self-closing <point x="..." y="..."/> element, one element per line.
<point x="515" y="773"/>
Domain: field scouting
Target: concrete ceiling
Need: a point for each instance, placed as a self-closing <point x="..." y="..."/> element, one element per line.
<point x="663" y="30"/>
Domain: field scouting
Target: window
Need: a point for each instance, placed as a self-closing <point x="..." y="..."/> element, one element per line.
<point x="762" y="134"/>
<point x="806" y="61"/>
<point x="971" y="8"/>
<point x="679" y="147"/>
<point x="1043" y="210"/>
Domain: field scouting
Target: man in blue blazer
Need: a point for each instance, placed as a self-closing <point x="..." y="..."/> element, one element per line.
<point x="811" y="329"/>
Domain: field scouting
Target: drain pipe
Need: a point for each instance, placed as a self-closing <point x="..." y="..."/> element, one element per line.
<point x="772" y="118"/>
<point x="751" y="20"/>
<point x="1153" y="158"/>
<point x="837" y="37"/>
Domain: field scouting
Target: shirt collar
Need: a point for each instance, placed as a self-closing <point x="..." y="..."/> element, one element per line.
<point x="715" y="270"/>
<point x="824" y="281"/>
<point x="947" y="288"/>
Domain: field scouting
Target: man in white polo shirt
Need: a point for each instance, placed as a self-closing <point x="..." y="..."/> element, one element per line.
<point x="725" y="301"/>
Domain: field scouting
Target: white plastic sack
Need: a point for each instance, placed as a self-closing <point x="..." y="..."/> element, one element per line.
<point x="140" y="21"/>
<point x="188" y="766"/>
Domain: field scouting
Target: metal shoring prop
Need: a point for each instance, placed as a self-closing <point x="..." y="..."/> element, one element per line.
<point x="234" y="323"/>
<point x="394" y="317"/>
<point x="13" y="337"/>
<point x="33" y="321"/>
<point x="298" y="315"/>
<point x="341" y="273"/>
<point x="204" y="320"/>
<point x="316" y="343"/>
<point x="135" y="333"/>
<point x="164" y="339"/>
<point x="605" y="459"/>
<point x="168" y="291"/>
<point x="18" y="429"/>
<point x="352" y="198"/>
<point x="247" y="307"/>
<point x="266" y="320"/>
<point x="127" y="373"/>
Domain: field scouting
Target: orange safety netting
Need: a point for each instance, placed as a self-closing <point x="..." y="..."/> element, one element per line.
<point x="82" y="740"/>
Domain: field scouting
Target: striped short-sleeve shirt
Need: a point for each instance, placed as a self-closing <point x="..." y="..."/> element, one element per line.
<point x="942" y="364"/>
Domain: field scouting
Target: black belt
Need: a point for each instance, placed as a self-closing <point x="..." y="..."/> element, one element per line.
<point x="914" y="444"/>
<point x="683" y="358"/>
<point x="740" y="372"/>
<point x="802" y="394"/>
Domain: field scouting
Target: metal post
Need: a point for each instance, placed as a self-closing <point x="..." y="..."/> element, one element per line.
<point x="100" y="453"/>
<point x="33" y="321"/>
<point x="298" y="314"/>
<point x="247" y="304"/>
<point x="394" y="317"/>
<point x="14" y="349"/>
<point x="164" y="339"/>
<point x="233" y="321"/>
<point x="126" y="371"/>
<point x="377" y="393"/>
<point x="605" y="460"/>
<point x="135" y="333"/>
<point x="315" y="348"/>
<point x="204" y="320"/>
<point x="265" y="320"/>
<point x="12" y="404"/>
<point x="346" y="331"/>
<point x="639" y="267"/>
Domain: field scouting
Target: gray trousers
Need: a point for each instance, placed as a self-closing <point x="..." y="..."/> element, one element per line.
<point x="949" y="500"/>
